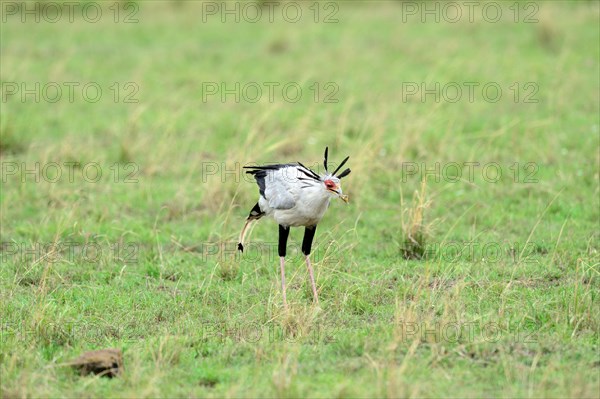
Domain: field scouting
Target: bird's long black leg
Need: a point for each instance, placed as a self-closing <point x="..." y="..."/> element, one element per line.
<point x="309" y="234"/>
<point x="284" y="232"/>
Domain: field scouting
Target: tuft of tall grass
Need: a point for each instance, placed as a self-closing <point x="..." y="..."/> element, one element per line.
<point x="415" y="231"/>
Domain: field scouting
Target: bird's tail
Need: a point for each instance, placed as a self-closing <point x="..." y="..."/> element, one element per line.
<point x="255" y="214"/>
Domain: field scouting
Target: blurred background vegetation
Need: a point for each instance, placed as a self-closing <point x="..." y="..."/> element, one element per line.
<point x="171" y="153"/>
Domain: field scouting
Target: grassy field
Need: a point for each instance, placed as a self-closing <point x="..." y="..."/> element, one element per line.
<point x="465" y="265"/>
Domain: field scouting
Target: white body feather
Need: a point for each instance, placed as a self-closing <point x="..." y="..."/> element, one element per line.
<point x="293" y="200"/>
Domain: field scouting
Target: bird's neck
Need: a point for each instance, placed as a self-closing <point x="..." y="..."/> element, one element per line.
<point x="318" y="200"/>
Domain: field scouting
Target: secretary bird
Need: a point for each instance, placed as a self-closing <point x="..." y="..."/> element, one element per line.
<point x="294" y="196"/>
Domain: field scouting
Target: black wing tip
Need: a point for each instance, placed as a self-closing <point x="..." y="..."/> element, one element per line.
<point x="254" y="168"/>
<point x="240" y="247"/>
<point x="309" y="172"/>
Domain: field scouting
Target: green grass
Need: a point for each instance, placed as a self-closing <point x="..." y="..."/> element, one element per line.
<point x="196" y="320"/>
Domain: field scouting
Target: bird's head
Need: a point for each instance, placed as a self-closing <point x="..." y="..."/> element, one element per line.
<point x="333" y="187"/>
<point x="331" y="181"/>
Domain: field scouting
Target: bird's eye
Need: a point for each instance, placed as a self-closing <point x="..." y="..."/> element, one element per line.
<point x="329" y="184"/>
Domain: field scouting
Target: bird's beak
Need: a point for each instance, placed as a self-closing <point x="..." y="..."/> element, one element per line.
<point x="342" y="196"/>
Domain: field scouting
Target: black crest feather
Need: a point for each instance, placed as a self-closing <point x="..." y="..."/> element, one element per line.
<point x="344" y="173"/>
<point x="340" y="166"/>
